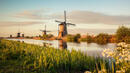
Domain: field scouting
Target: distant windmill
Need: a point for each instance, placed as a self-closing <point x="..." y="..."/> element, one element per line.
<point x="62" y="29"/>
<point x="18" y="34"/>
<point x="45" y="31"/>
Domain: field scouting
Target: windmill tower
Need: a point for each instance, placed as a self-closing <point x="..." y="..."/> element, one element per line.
<point x="45" y="31"/>
<point x="62" y="27"/>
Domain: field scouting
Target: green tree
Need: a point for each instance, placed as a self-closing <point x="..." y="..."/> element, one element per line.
<point x="78" y="35"/>
<point x="74" y="38"/>
<point x="89" y="39"/>
<point x="102" y="38"/>
<point x="122" y="33"/>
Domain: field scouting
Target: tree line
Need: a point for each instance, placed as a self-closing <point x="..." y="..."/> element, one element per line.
<point x="122" y="35"/>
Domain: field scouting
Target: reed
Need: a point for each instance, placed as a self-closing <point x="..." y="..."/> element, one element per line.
<point x="21" y="57"/>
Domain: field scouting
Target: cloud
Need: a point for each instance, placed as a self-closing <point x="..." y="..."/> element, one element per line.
<point x="13" y="23"/>
<point x="87" y="17"/>
<point x="77" y="17"/>
<point x="31" y="14"/>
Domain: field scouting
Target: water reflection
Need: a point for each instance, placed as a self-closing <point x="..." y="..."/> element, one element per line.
<point x="62" y="44"/>
<point x="46" y="44"/>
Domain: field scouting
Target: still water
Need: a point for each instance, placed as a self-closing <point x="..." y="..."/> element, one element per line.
<point x="92" y="49"/>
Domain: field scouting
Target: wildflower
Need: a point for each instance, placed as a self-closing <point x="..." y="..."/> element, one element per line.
<point x="121" y="55"/>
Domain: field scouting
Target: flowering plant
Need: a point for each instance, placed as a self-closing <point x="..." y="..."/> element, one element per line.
<point x="121" y="54"/>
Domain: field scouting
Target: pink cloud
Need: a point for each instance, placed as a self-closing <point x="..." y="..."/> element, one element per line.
<point x="23" y="23"/>
<point x="31" y="14"/>
<point x="87" y="17"/>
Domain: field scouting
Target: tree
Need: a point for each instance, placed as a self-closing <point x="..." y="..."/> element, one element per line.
<point x="102" y="38"/>
<point x="74" y="38"/>
<point x="89" y="39"/>
<point x="121" y="33"/>
<point x="78" y="35"/>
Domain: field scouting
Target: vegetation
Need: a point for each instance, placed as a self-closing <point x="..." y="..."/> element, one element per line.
<point x="17" y="57"/>
<point x="102" y="38"/>
<point x="127" y="39"/>
<point x="73" y="38"/>
<point x="89" y="39"/>
<point x="45" y="37"/>
<point x="83" y="39"/>
<point x="121" y="56"/>
<point x="123" y="34"/>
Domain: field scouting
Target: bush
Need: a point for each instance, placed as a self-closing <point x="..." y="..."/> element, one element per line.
<point x="122" y="34"/>
<point x="127" y="39"/>
<point x="83" y="39"/>
<point x="73" y="38"/>
<point x="102" y="38"/>
<point x="89" y="39"/>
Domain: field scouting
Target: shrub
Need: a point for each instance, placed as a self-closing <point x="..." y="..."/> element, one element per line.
<point x="102" y="38"/>
<point x="89" y="39"/>
<point x="121" y="33"/>
<point x="73" y="38"/>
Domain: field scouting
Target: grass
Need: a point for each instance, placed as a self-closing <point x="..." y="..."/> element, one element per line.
<point x="17" y="57"/>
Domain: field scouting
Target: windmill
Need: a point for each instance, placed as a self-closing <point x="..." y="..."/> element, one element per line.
<point x="62" y="27"/>
<point x="18" y="34"/>
<point x="45" y="31"/>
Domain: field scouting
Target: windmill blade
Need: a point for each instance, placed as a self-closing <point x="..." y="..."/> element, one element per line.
<point x="48" y="31"/>
<point x="45" y="30"/>
<point x="65" y="16"/>
<point x="58" y="21"/>
<point x="42" y="30"/>
<point x="71" y="24"/>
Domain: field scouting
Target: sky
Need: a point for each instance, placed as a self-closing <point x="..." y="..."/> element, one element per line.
<point x="90" y="16"/>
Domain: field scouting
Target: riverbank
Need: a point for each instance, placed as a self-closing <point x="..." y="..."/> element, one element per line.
<point x="21" y="57"/>
<point x="121" y="35"/>
<point x="91" y="49"/>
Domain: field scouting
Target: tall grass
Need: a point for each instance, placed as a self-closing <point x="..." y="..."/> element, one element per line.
<point x="25" y="58"/>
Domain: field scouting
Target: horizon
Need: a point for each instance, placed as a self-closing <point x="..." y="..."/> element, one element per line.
<point x="90" y="16"/>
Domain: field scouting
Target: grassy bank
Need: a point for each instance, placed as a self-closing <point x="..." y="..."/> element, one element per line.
<point x="17" y="57"/>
